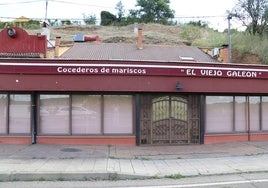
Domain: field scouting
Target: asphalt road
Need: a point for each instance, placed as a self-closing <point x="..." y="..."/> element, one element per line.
<point x="245" y="180"/>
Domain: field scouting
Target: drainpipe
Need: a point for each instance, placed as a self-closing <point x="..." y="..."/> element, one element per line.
<point x="137" y="122"/>
<point x="248" y="117"/>
<point x="202" y="119"/>
<point x="33" y="119"/>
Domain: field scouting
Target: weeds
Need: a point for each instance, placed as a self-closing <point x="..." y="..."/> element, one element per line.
<point x="174" y="176"/>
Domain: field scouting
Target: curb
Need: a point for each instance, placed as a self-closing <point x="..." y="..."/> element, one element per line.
<point x="91" y="176"/>
<point x="68" y="177"/>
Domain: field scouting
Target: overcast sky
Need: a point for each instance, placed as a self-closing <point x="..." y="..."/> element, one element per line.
<point x="212" y="11"/>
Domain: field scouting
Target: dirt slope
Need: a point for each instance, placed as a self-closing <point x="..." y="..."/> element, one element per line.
<point x="152" y="34"/>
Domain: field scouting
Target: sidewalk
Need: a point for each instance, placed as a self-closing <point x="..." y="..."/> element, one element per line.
<point x="85" y="162"/>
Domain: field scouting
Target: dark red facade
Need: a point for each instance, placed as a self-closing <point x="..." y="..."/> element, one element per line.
<point x="142" y="85"/>
<point x="61" y="76"/>
<point x="77" y="75"/>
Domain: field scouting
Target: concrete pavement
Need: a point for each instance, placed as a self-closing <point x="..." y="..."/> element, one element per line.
<point x="86" y="162"/>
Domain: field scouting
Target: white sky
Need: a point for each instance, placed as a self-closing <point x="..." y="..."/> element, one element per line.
<point x="212" y="11"/>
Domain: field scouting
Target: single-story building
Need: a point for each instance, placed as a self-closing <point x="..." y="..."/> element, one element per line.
<point x="128" y="94"/>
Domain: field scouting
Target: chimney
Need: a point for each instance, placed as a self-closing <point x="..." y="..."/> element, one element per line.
<point x="224" y="53"/>
<point x="140" y="45"/>
<point x="57" y="47"/>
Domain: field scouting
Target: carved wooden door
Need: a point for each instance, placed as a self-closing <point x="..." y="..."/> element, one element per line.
<point x="169" y="120"/>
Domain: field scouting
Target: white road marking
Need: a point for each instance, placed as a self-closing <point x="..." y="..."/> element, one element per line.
<point x="205" y="184"/>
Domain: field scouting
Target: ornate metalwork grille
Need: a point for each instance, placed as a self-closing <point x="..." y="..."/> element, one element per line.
<point x="169" y="119"/>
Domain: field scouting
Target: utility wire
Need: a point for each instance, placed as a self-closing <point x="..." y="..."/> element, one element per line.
<point x="90" y="5"/>
<point x="56" y="1"/>
<point x="75" y="3"/>
<point x="190" y="17"/>
<point x="22" y="2"/>
<point x="177" y="17"/>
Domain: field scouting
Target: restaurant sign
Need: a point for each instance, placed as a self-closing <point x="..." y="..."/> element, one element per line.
<point x="240" y="73"/>
<point x="201" y="70"/>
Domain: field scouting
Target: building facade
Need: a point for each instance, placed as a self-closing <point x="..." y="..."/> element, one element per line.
<point x="117" y="94"/>
<point x="72" y="101"/>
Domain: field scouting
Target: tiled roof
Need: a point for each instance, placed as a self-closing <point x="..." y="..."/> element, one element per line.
<point x="129" y="52"/>
<point x="20" y="55"/>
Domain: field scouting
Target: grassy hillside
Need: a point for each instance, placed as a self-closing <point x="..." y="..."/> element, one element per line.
<point x="246" y="48"/>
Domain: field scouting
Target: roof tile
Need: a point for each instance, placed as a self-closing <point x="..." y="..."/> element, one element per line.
<point x="130" y="52"/>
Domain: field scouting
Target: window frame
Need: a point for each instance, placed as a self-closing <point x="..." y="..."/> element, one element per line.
<point x="248" y="115"/>
<point x="7" y="123"/>
<point x="102" y="115"/>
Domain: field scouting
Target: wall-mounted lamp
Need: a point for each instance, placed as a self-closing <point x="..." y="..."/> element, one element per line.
<point x="178" y="86"/>
<point x="11" y="32"/>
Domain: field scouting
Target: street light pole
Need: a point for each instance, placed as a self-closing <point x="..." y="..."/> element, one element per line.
<point x="46" y="9"/>
<point x="229" y="37"/>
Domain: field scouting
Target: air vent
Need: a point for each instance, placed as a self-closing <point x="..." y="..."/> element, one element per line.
<point x="79" y="38"/>
<point x="215" y="52"/>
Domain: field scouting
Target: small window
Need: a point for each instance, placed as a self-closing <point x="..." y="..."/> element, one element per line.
<point x="3" y="113"/>
<point x="118" y="114"/>
<point x="240" y="114"/>
<point x="219" y="114"/>
<point x="254" y="105"/>
<point x="20" y="114"/>
<point x="86" y="114"/>
<point x="54" y="114"/>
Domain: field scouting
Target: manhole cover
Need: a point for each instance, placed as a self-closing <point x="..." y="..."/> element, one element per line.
<point x="70" y="150"/>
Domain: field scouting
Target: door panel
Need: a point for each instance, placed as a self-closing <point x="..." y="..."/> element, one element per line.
<point x="168" y="120"/>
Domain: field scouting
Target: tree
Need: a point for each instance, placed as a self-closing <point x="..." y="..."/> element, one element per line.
<point x="157" y="11"/>
<point x="107" y="18"/>
<point x="198" y="23"/>
<point x="253" y="14"/>
<point x="132" y="17"/>
<point x="120" y="11"/>
<point x="89" y="19"/>
<point x="66" y="22"/>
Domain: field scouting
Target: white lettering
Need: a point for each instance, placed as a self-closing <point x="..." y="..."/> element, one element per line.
<point x="105" y="70"/>
<point x="242" y="74"/>
<point x="128" y="71"/>
<point x="76" y="70"/>
<point x="190" y="72"/>
<point x="209" y="72"/>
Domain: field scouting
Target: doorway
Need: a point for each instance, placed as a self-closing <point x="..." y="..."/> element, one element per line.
<point x="169" y="119"/>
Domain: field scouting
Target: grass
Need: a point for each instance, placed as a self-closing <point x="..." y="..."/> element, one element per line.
<point x="241" y="41"/>
<point x="114" y="177"/>
<point x="41" y="179"/>
<point x="253" y="44"/>
<point x="60" y="179"/>
<point x="174" y="176"/>
<point x="141" y="158"/>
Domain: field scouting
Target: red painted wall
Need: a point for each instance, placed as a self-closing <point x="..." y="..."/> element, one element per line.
<point x="225" y="138"/>
<point x="102" y="140"/>
<point x="44" y="75"/>
<point x="20" y="82"/>
<point x="22" y="42"/>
